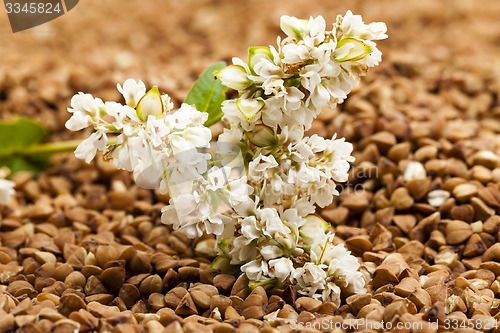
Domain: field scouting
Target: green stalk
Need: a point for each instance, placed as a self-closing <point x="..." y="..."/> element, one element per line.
<point x="49" y="148"/>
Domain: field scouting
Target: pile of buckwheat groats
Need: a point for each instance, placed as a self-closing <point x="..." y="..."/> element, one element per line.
<point x="83" y="247"/>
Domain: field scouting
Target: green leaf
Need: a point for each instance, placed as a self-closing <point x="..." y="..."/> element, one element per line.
<point x="208" y="93"/>
<point x="16" y="136"/>
<point x="24" y="163"/>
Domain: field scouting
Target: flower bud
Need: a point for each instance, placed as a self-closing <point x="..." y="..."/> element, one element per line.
<point x="314" y="226"/>
<point x="350" y="49"/>
<point x="150" y="104"/>
<point x="256" y="53"/>
<point x="262" y="136"/>
<point x="234" y="77"/>
<point x="293" y="27"/>
<point x="249" y="107"/>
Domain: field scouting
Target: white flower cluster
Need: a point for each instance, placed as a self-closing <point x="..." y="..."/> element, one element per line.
<point x="149" y="139"/>
<point x="312" y="68"/>
<point x="6" y="187"/>
<point x="257" y="190"/>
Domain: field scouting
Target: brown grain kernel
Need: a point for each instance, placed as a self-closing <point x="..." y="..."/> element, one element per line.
<point x="426" y="153"/>
<point x="337" y="215"/>
<point x="102" y="311"/>
<point x="151" y="284"/>
<point x="418" y="188"/>
<point x="224" y="282"/>
<point x="129" y="294"/>
<point x="174" y="296"/>
<point x="86" y="320"/>
<point x="358" y="301"/>
<point x="401" y="199"/>
<point x="384" y="140"/>
<point x="399" y="152"/>
<point x="372" y="312"/>
<point x="464" y="192"/>
<point x="163" y="262"/>
<point x="457" y="232"/>
<point x="171" y="279"/>
<point x="202" y="295"/>
<point x="490" y="195"/>
<point x="406" y="287"/>
<point x="475" y="246"/>
<point x="19" y="288"/>
<point x="481" y="211"/>
<point x="356" y="202"/>
<point x="91" y="270"/>
<point x="113" y="278"/>
<point x="186" y="306"/>
<point x="359" y="244"/>
<point x="69" y="303"/>
<point x="492" y="253"/>
<point x="94" y="286"/>
<point x="105" y="299"/>
<point x="307" y="304"/>
<point x="405" y="222"/>
<point x="240" y="287"/>
<point x="420" y="298"/>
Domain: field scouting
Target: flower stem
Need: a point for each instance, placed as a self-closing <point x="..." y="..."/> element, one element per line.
<point x="49" y="148"/>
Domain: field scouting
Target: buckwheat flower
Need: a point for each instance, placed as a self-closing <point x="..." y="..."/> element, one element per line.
<point x="310" y="279"/>
<point x="257" y="189"/>
<point x="316" y="35"/>
<point x="88" y="148"/>
<point x="250" y="229"/>
<point x="332" y="293"/>
<point x="270" y="74"/>
<point x="218" y="177"/>
<point x="187" y="116"/>
<point x="281" y="268"/>
<point x="258" y="167"/>
<point x="256" y="269"/>
<point x="272" y="222"/>
<point x="243" y="250"/>
<point x="132" y="91"/>
<point x="353" y="26"/>
<point x="271" y="252"/>
<point x="239" y="192"/>
<point x="78" y="121"/>
<point x="212" y="221"/>
<point x="293" y="53"/>
<point x="339" y="260"/>
<point x="85" y="110"/>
